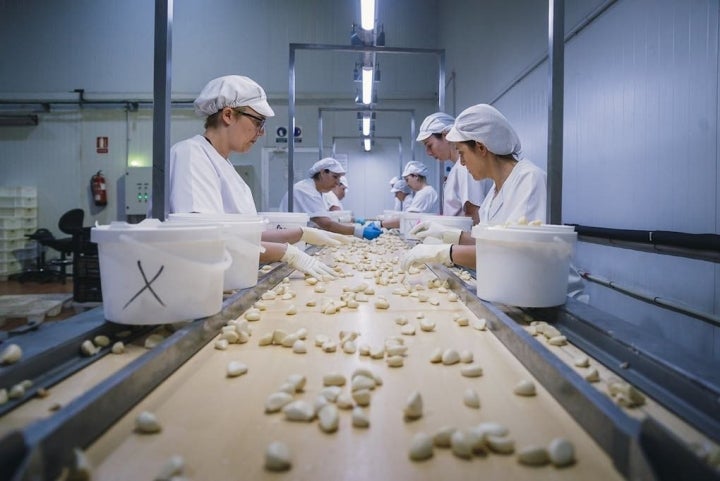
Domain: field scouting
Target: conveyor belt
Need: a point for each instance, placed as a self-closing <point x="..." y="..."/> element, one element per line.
<point x="637" y="448"/>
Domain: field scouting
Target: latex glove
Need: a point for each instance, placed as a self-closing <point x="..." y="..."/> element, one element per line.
<point x="360" y="220"/>
<point x="448" y="235"/>
<point x="426" y="253"/>
<point x="319" y="237"/>
<point x="369" y="232"/>
<point x="304" y="263"/>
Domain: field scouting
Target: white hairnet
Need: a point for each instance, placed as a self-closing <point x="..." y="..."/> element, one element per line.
<point x="436" y="123"/>
<point x="327" y="163"/>
<point x="232" y="91"/>
<point x="343" y="181"/>
<point x="400" y="186"/>
<point x="415" y="167"/>
<point x="483" y="123"/>
<point x="393" y="180"/>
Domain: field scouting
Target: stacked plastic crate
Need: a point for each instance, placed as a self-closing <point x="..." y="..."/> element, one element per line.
<point x="18" y="218"/>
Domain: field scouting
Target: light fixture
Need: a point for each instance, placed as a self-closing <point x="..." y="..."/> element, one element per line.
<point x="366" y="125"/>
<point x="367" y="83"/>
<point x="367" y="14"/>
<point x="367" y="144"/>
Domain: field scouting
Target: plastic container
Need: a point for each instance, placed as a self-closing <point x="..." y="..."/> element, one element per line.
<point x="158" y="273"/>
<point x="242" y="235"/>
<point x="287" y="220"/>
<point x="458" y="222"/>
<point x="341" y="215"/>
<point x="391" y="214"/>
<point x="524" y="266"/>
<point x="408" y="221"/>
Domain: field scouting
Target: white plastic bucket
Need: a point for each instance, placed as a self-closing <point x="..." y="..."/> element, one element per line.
<point x="287" y="220"/>
<point x="158" y="273"/>
<point x="524" y="266"/>
<point x="408" y="221"/>
<point x="458" y="222"/>
<point x="242" y="235"/>
<point x="391" y="214"/>
<point x="341" y="215"/>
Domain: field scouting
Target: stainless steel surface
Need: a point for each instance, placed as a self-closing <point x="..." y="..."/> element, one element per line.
<point x="162" y="91"/>
<point x="556" y="73"/>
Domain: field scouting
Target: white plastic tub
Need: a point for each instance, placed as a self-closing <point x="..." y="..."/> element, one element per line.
<point x="391" y="214"/>
<point x="341" y="215"/>
<point x="158" y="273"/>
<point x="408" y="221"/>
<point x="242" y="235"/>
<point x="523" y="266"/>
<point x="456" y="221"/>
<point x="287" y="220"/>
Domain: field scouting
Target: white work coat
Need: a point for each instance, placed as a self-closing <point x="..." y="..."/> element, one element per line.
<point x="522" y="195"/>
<point x="201" y="180"/>
<point x="460" y="187"/>
<point x="424" y="200"/>
<point x="306" y="198"/>
<point x="331" y="199"/>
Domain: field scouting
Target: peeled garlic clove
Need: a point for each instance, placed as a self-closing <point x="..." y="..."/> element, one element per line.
<point x="421" y="447"/>
<point x="299" y="411"/>
<point x="328" y="418"/>
<point x="414" y="406"/>
<point x="471" y="370"/>
<point x="236" y="368"/>
<point x="360" y="418"/>
<point x="147" y="423"/>
<point x="533" y="456"/>
<point x="471" y="399"/>
<point x="525" y="388"/>
<point x="277" y="457"/>
<point x="450" y="356"/>
<point x="276" y="401"/>
<point x="561" y="452"/>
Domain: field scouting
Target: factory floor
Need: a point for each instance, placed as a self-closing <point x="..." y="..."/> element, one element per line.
<point x="14" y="287"/>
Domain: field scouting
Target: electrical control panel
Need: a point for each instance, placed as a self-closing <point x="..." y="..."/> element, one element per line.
<point x="138" y="187"/>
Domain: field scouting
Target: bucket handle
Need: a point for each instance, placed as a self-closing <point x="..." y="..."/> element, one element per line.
<point x="223" y="264"/>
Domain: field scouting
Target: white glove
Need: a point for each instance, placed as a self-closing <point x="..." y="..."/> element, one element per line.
<point x="448" y="235"/>
<point x="304" y="263"/>
<point x="422" y="253"/>
<point x="322" y="237"/>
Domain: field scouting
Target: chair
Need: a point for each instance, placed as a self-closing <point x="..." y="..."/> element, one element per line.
<point x="71" y="222"/>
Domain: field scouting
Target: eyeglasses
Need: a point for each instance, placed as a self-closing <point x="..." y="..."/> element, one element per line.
<point x="259" y="121"/>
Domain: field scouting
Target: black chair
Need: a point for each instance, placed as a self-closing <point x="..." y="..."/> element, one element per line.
<point x="71" y="223"/>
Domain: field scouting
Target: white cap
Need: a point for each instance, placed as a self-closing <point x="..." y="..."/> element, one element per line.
<point x="327" y="163"/>
<point x="400" y="186"/>
<point x="415" y="167"/>
<point x="483" y="123"/>
<point x="343" y="181"/>
<point x="232" y="91"/>
<point x="393" y="180"/>
<point x="436" y="123"/>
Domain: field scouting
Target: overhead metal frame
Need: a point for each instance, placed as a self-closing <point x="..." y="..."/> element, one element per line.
<point x="294" y="47"/>
<point x="366" y="109"/>
<point x="382" y="137"/>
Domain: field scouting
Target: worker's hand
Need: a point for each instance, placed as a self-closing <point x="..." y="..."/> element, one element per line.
<point x="360" y="220"/>
<point x="423" y="253"/>
<point x="448" y="235"/>
<point x="322" y="237"/>
<point x="369" y="231"/>
<point x="304" y="263"/>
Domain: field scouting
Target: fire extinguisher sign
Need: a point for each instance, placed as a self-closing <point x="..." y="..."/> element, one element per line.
<point x="101" y="144"/>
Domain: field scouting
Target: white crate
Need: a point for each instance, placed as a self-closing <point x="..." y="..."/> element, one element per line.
<point x="12" y="234"/>
<point x="11" y="223"/>
<point x="16" y="201"/>
<point x="18" y="191"/>
<point x="18" y="212"/>
<point x="10" y="245"/>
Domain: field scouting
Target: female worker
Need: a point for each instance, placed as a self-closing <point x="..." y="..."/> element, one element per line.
<point x="490" y="148"/>
<point x="323" y="176"/>
<point x="203" y="180"/>
<point x="333" y="199"/>
<point x="401" y="191"/>
<point x="462" y="195"/>
<point x="425" y="198"/>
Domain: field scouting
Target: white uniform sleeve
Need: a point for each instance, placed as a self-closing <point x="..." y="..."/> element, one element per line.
<point x="194" y="184"/>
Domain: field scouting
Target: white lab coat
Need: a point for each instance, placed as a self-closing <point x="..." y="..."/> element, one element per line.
<point x="306" y="198"/>
<point x="424" y="200"/>
<point x="331" y="199"/>
<point x="460" y="187"/>
<point x="522" y="195"/>
<point x="201" y="180"/>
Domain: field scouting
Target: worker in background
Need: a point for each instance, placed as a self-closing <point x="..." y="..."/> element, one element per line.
<point x="424" y="197"/>
<point x="489" y="148"/>
<point x="323" y="176"/>
<point x="462" y="195"/>
<point x="401" y="191"/>
<point x="333" y="199"/>
<point x="203" y="180"/>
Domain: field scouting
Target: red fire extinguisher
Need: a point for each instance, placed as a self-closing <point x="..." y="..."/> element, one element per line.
<point x="99" y="188"/>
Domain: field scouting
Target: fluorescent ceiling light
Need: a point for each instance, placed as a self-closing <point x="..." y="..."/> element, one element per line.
<point x="367" y="14"/>
<point x="366" y="125"/>
<point x="367" y="81"/>
<point x="367" y="143"/>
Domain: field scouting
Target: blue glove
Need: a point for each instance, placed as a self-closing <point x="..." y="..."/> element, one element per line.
<point x="371" y="231"/>
<point x="359" y="220"/>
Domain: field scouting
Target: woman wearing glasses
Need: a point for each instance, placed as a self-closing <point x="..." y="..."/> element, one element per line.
<point x="203" y="180"/>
